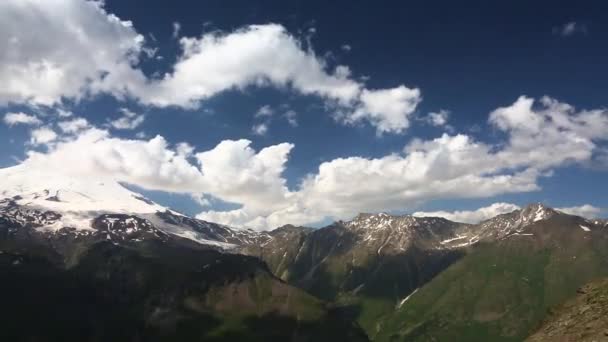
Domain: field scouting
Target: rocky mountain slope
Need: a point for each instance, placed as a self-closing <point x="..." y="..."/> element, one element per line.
<point x="155" y="291"/>
<point x="51" y="203"/>
<point x="582" y="318"/>
<point x="500" y="290"/>
<point x="373" y="263"/>
<point x="99" y="262"/>
<point x="398" y="277"/>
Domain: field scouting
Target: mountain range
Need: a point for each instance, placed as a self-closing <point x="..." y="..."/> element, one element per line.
<point x="84" y="260"/>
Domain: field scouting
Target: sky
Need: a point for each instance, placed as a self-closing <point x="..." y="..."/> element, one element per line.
<point x="262" y="113"/>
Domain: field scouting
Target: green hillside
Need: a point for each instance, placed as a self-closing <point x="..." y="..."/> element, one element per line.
<point x="501" y="291"/>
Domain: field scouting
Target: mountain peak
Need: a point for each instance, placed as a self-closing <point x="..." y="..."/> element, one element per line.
<point x="536" y="212"/>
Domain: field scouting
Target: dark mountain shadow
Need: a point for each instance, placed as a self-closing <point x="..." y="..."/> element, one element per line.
<point x="141" y="292"/>
<point x="385" y="276"/>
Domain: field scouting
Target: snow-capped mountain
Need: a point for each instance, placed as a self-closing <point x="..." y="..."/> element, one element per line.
<point x="394" y="234"/>
<point x="51" y="203"/>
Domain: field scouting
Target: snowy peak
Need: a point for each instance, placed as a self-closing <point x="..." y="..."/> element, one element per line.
<point x="381" y="221"/>
<point x="48" y="203"/>
<point x="536" y="212"/>
<point x="394" y="234"/>
<point x="41" y="189"/>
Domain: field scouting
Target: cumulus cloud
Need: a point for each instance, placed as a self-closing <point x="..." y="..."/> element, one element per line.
<point x="93" y="51"/>
<point x="550" y="133"/>
<point x="439" y="118"/>
<point x="42" y="135"/>
<point x="540" y="136"/>
<point x="387" y="109"/>
<point x="184" y="149"/>
<point x="471" y="216"/>
<point x="59" y="49"/>
<point x="73" y="126"/>
<point x="260" y="129"/>
<point x="232" y="171"/>
<point x="269" y="55"/>
<point x="235" y="173"/>
<point x="446" y="167"/>
<point x="257" y="54"/>
<point x="128" y="120"/>
<point x="93" y="153"/>
<point x="586" y="210"/>
<point x="21" y="118"/>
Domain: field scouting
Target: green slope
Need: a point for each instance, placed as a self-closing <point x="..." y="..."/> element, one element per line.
<point x="501" y="291"/>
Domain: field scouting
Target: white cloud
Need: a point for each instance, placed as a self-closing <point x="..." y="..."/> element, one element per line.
<point x="258" y="54"/>
<point x="232" y="171"/>
<point x="42" y="135"/>
<point x="447" y="167"/>
<point x="12" y="119"/>
<point x="59" y="49"/>
<point x="570" y="28"/>
<point x="471" y="216"/>
<point x="539" y="139"/>
<point x="269" y="55"/>
<point x="94" y="154"/>
<point x="184" y="149"/>
<point x="346" y="48"/>
<point x="481" y="214"/>
<point x="74" y="125"/>
<point x="235" y="173"/>
<point x="264" y="111"/>
<point x="439" y="118"/>
<point x="201" y="200"/>
<point x="260" y="129"/>
<point x="292" y="118"/>
<point x="69" y="49"/>
<point x="128" y="120"/>
<point x="549" y="134"/>
<point x="586" y="210"/>
<point x="177" y="27"/>
<point x="387" y="109"/>
<point x="62" y="113"/>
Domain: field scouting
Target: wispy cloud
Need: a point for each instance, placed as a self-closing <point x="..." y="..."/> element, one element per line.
<point x="570" y="28"/>
<point x="20" y="118"/>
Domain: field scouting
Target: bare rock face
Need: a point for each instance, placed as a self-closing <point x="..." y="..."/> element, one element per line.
<point x="583" y="318"/>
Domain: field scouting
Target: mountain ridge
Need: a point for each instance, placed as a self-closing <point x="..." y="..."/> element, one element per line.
<point x="372" y="267"/>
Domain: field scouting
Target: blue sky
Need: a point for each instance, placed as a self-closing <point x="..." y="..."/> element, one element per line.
<point x="467" y="59"/>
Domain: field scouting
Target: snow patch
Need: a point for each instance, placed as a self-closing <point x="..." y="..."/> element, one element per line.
<point x="460" y="237"/>
<point x="406" y="299"/>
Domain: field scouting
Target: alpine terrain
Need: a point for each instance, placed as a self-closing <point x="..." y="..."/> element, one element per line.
<point x="102" y="258"/>
<point x="84" y="261"/>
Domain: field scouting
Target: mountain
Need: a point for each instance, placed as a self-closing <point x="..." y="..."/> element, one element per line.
<point x="375" y="265"/>
<point x="582" y="318"/>
<point x="500" y="290"/>
<point x="154" y="273"/>
<point x="154" y="290"/>
<point x="369" y="264"/>
<point x="82" y="261"/>
<point x="53" y="203"/>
